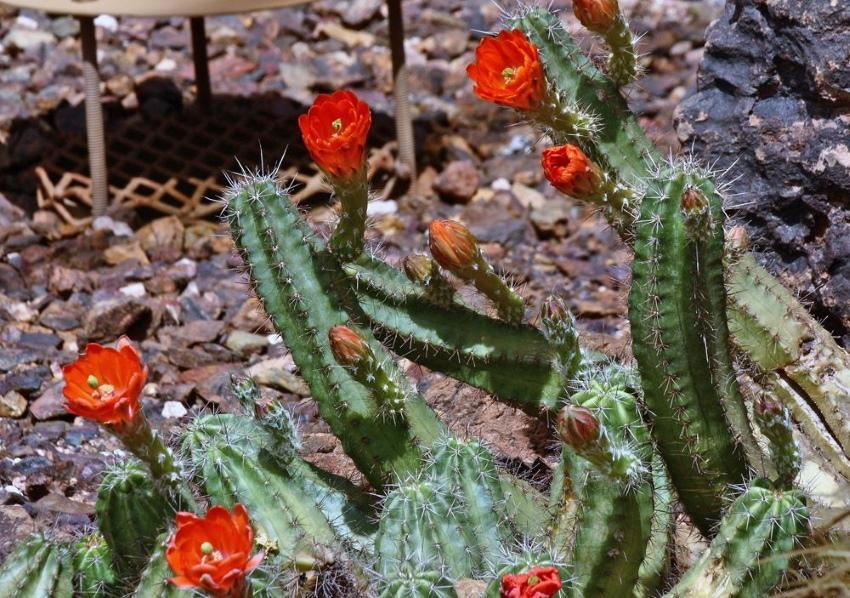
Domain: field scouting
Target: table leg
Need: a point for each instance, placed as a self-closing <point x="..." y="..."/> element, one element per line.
<point x="199" y="56"/>
<point x="403" y="119"/>
<point x="96" y="140"/>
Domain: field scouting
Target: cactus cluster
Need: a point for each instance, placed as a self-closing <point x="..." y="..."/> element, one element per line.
<point x="667" y="441"/>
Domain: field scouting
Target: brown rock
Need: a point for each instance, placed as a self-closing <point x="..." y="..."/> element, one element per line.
<point x="64" y="281"/>
<point x="164" y="235"/>
<point x="50" y="404"/>
<point x="12" y="404"/>
<point x="109" y="319"/>
<point x="199" y="331"/>
<point x="121" y="253"/>
<point x="458" y="182"/>
<point x="59" y="503"/>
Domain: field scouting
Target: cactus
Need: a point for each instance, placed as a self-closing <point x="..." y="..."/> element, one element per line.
<point x="304" y="291"/>
<point x="410" y="582"/>
<point x="751" y="548"/>
<point x="131" y="513"/>
<point x="528" y="558"/>
<point x="38" y="567"/>
<point x="295" y="508"/>
<point x="677" y="314"/>
<point x="95" y="574"/>
<point x="153" y="582"/>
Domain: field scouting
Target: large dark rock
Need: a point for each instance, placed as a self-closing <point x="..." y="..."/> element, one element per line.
<point x="773" y="106"/>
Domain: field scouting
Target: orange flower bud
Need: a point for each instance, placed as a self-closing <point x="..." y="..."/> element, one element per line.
<point x="577" y="426"/>
<point x="597" y="15"/>
<point x="212" y="553"/>
<point x="694" y="201"/>
<point x="452" y="245"/>
<point x="507" y="70"/>
<point x="571" y="172"/>
<point x="104" y="384"/>
<point x="334" y="131"/>
<point x="348" y="347"/>
<point x="537" y="582"/>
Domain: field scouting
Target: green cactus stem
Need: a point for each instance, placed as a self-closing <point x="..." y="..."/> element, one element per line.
<point x="38" y="567"/>
<point x="559" y="328"/>
<point x="410" y="582"/>
<point x="677" y="315"/>
<point x="298" y="507"/>
<point x="131" y="513"/>
<point x="793" y="355"/>
<point x="656" y="561"/>
<point x="424" y="271"/>
<point x="622" y="67"/>
<point x="526" y="560"/>
<point x="457" y="340"/>
<point x="303" y="290"/>
<point x="752" y="546"/>
<point x="95" y="573"/>
<point x="347" y="239"/>
<point x="774" y="421"/>
<point x="153" y="582"/>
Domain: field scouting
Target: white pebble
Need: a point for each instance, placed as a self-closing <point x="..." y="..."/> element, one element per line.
<point x="173" y="410"/>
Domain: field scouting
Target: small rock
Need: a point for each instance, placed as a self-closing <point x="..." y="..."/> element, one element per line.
<point x="50" y="404"/>
<point x="64" y="281"/>
<point x="135" y="290"/>
<point x="121" y="253"/>
<point x="39" y="341"/>
<point x="12" y="404"/>
<point x="21" y="312"/>
<point x="59" y="503"/>
<point x="458" y="182"/>
<point x="166" y="65"/>
<point x="26" y="381"/>
<point x="118" y="228"/>
<point x="470" y="588"/>
<point x="552" y="218"/>
<point x="199" y="331"/>
<point x="381" y="207"/>
<point x="274" y="374"/>
<point x="161" y="234"/>
<point x="61" y="315"/>
<point x="28" y="39"/>
<point x="528" y="197"/>
<point x="173" y="410"/>
<point x="360" y="12"/>
<point x="245" y="343"/>
<point x="109" y="319"/>
<point x="108" y="22"/>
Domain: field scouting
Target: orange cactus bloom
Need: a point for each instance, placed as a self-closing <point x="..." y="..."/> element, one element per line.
<point x="507" y="70"/>
<point x="537" y="582"/>
<point x="334" y="131"/>
<point x="597" y="15"/>
<point x="212" y="553"/>
<point x="104" y="384"/>
<point x="452" y="245"/>
<point x="571" y="172"/>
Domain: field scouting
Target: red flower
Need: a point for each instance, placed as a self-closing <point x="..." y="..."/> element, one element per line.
<point x="538" y="582"/>
<point x="597" y="15"/>
<point x="507" y="70"/>
<point x="571" y="172"/>
<point x="105" y="383"/>
<point x="348" y="347"/>
<point x="452" y="245"/>
<point x="334" y="131"/>
<point x="212" y="553"/>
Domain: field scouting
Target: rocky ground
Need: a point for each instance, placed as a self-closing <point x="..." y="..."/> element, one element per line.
<point x="176" y="287"/>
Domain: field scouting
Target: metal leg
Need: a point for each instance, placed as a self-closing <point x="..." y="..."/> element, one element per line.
<point x="94" y="119"/>
<point x="403" y="120"/>
<point x="202" y="67"/>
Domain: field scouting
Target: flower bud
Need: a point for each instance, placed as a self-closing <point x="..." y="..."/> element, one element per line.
<point x="570" y="171"/>
<point x="452" y="245"/>
<point x="738" y="239"/>
<point x="597" y="15"/>
<point x="348" y="347"/>
<point x="577" y="426"/>
<point x="553" y="308"/>
<point x="418" y="268"/>
<point x="694" y="201"/>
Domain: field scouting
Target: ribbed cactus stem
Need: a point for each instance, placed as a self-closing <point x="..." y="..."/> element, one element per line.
<point x="143" y="441"/>
<point x="509" y="304"/>
<point x="774" y="421"/>
<point x="348" y="236"/>
<point x="38" y="567"/>
<point x="559" y="328"/>
<point x="622" y="66"/>
<point x="93" y="565"/>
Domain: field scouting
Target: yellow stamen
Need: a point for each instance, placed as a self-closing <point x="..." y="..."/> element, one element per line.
<point x="92" y="381"/>
<point x="533" y="580"/>
<point x="337" y="125"/>
<point x="508" y="73"/>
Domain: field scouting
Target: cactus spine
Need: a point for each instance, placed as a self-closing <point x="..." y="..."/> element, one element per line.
<point x="751" y="548"/>
<point x="131" y="513"/>
<point x="37" y="568"/>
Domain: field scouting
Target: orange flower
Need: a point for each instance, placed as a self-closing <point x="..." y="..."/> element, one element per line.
<point x="571" y="172"/>
<point x="507" y="70"/>
<point x="105" y="383"/>
<point x="538" y="582"/>
<point x="348" y="347"/>
<point x="334" y="131"/>
<point x="597" y="15"/>
<point x="452" y="245"/>
<point x="212" y="553"/>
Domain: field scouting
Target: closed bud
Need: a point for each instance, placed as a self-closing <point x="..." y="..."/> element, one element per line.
<point x="577" y="426"/>
<point x="348" y="347"/>
<point x="418" y="268"/>
<point x="553" y="309"/>
<point x="694" y="201"/>
<point x="452" y="245"/>
<point x="571" y="172"/>
<point x="738" y="238"/>
<point x="597" y="15"/>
